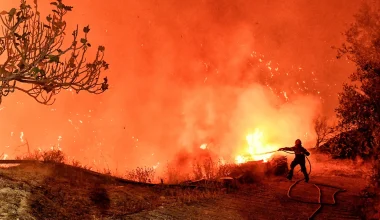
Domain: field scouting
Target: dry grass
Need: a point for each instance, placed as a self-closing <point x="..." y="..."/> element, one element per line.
<point x="211" y="170"/>
<point x="54" y="155"/>
<point x="13" y="203"/>
<point x="207" y="172"/>
<point x="59" y="191"/>
<point x="325" y="166"/>
<point x="173" y="175"/>
<point x="205" y="169"/>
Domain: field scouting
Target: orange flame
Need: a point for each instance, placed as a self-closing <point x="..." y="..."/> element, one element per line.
<point x="257" y="148"/>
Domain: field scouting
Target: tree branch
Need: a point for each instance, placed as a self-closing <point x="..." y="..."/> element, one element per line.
<point x="35" y="52"/>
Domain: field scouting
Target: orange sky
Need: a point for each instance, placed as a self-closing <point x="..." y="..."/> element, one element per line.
<point x="178" y="73"/>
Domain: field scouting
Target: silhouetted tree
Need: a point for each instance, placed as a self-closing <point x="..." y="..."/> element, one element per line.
<point x="323" y="130"/>
<point x="35" y="60"/>
<point x="359" y="103"/>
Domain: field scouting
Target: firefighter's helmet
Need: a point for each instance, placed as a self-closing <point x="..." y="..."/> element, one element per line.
<point x="298" y="142"/>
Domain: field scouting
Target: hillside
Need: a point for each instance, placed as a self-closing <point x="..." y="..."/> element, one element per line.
<point x="58" y="191"/>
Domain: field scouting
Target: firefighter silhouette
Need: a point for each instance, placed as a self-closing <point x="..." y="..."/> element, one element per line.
<point x="299" y="159"/>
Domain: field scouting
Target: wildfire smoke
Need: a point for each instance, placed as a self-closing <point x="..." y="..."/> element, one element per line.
<point x="188" y="73"/>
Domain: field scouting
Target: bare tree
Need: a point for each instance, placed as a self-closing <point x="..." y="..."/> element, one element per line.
<point x="36" y="61"/>
<point x="323" y="130"/>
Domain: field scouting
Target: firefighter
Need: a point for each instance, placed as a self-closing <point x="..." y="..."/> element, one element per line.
<point x="300" y="153"/>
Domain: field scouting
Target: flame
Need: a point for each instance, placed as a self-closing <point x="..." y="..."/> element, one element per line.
<point x="203" y="146"/>
<point x="257" y="148"/>
<point x="240" y="159"/>
<point x="22" y="137"/>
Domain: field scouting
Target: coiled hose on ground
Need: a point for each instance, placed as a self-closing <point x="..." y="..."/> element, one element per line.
<point x="320" y="203"/>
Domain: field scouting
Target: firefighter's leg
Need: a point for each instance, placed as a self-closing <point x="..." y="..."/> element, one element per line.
<point x="292" y="165"/>
<point x="304" y="171"/>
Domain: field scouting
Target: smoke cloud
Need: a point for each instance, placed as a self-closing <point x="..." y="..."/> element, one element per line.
<point x="185" y="73"/>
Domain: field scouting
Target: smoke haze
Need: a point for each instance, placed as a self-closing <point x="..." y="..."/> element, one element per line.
<point x="184" y="73"/>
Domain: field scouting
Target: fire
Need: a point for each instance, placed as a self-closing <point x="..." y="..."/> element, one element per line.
<point x="257" y="148"/>
<point x="203" y="146"/>
<point x="240" y="159"/>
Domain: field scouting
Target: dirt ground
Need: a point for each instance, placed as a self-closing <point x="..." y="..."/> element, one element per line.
<point x="46" y="191"/>
<point x="269" y="201"/>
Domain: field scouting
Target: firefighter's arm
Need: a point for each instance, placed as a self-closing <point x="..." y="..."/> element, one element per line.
<point x="307" y="153"/>
<point x="286" y="149"/>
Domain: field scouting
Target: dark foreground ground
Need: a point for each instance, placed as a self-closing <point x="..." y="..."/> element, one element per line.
<point x="268" y="201"/>
<point x="46" y="191"/>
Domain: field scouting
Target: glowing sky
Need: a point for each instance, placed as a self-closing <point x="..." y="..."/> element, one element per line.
<point x="160" y="52"/>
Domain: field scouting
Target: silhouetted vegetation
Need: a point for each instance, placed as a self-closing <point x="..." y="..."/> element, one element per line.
<point x="53" y="155"/>
<point x="210" y="169"/>
<point x="323" y="130"/>
<point x="359" y="103"/>
<point x="358" y="112"/>
<point x="278" y="166"/>
<point x="349" y="144"/>
<point x="141" y="174"/>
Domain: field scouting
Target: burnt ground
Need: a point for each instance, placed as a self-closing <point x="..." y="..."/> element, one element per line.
<point x="48" y="191"/>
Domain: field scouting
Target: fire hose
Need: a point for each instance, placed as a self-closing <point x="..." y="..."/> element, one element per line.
<point x="320" y="203"/>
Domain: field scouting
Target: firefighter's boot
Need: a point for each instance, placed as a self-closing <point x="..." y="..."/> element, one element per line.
<point x="306" y="175"/>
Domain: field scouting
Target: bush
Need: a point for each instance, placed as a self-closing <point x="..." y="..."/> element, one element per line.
<point x="143" y="175"/>
<point x="211" y="170"/>
<point x="349" y="144"/>
<point x="278" y="166"/>
<point x="53" y="155"/>
<point x="225" y="169"/>
<point x="250" y="172"/>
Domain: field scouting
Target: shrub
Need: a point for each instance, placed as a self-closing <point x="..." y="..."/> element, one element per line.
<point x="36" y="155"/>
<point x="53" y="155"/>
<point x="225" y="169"/>
<point x="209" y="170"/>
<point x="144" y="175"/>
<point x="349" y="144"/>
<point x="278" y="166"/>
